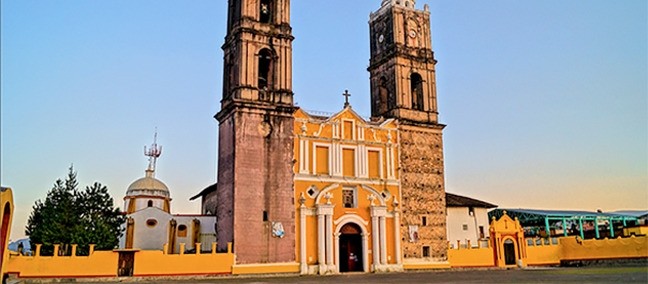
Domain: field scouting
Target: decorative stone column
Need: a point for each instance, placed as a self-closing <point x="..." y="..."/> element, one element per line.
<point x="325" y="237"/>
<point x="397" y="238"/>
<point x="320" y="242"/>
<point x="383" y="240"/>
<point x="375" y="240"/>
<point x="329" y="241"/>
<point x="378" y="230"/>
<point x="365" y="254"/>
<point x="302" y="236"/>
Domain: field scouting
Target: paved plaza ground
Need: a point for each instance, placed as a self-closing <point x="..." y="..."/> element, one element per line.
<point x="633" y="274"/>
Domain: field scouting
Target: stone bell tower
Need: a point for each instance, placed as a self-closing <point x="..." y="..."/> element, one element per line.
<point x="403" y="86"/>
<point x="255" y="177"/>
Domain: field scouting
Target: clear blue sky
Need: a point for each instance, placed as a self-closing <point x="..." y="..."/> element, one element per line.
<point x="545" y="100"/>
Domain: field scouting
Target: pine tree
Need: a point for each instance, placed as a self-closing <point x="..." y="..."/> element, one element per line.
<point x="69" y="216"/>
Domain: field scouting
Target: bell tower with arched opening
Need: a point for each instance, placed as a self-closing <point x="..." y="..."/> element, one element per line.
<point x="403" y="86"/>
<point x="255" y="178"/>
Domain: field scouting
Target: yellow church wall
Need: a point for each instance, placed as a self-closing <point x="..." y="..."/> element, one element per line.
<point x="97" y="264"/>
<point x="475" y="257"/>
<point x="311" y="240"/>
<point x="157" y="263"/>
<point x="391" y="250"/>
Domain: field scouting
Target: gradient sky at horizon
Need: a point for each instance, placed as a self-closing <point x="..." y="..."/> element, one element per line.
<point x="545" y="101"/>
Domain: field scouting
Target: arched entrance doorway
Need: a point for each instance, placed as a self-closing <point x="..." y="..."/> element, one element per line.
<point x="351" y="248"/>
<point x="6" y="215"/>
<point x="509" y="252"/>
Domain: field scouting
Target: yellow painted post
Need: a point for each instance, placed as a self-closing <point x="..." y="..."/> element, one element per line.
<point x="229" y="247"/>
<point x="74" y="247"/>
<point x="458" y="244"/>
<point x="468" y="244"/>
<point x="213" y="248"/>
<point x="182" y="248"/>
<point x="56" y="250"/>
<point x="197" y="247"/>
<point x="38" y="250"/>
<point x="165" y="248"/>
<point x="91" y="249"/>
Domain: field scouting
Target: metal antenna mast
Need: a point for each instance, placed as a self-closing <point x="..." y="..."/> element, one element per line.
<point x="153" y="153"/>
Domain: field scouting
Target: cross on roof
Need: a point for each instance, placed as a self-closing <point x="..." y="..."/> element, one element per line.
<point x="346" y="98"/>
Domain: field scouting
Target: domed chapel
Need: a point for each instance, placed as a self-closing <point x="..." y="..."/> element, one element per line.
<point x="332" y="193"/>
<point x="150" y="224"/>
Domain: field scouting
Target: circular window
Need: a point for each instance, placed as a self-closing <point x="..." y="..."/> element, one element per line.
<point x="151" y="222"/>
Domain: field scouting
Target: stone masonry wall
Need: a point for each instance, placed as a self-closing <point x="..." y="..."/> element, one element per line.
<point x="423" y="191"/>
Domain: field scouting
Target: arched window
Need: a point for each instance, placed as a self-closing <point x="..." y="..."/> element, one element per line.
<point x="384" y="103"/>
<point x="265" y="69"/>
<point x="182" y="231"/>
<point x="417" y="91"/>
<point x="150" y="203"/>
<point x="265" y="11"/>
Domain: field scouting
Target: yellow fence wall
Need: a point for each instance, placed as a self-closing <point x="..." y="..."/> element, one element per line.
<point x="568" y="248"/>
<point x="105" y="264"/>
<point x="156" y="263"/>
<point x="98" y="264"/>
<point x="477" y="257"/>
<point x="544" y="255"/>
<point x="632" y="247"/>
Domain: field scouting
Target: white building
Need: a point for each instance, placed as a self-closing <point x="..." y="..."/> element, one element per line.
<point x="150" y="224"/>
<point x="467" y="220"/>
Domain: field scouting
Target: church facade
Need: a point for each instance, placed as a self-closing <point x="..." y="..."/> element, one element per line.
<point x="333" y="193"/>
<point x="348" y="193"/>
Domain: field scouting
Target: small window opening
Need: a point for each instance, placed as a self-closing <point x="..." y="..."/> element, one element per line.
<point x="312" y="191"/>
<point x="265" y="216"/>
<point x="265" y="11"/>
<point x="424" y="221"/>
<point x="384" y="101"/>
<point x="150" y="203"/>
<point x="348" y="198"/>
<point x="265" y="69"/>
<point x="182" y="231"/>
<point x="471" y="211"/>
<point x="426" y="251"/>
<point x="465" y="227"/>
<point x="417" y="91"/>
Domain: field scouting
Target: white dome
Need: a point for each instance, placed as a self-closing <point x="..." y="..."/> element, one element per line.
<point x="148" y="186"/>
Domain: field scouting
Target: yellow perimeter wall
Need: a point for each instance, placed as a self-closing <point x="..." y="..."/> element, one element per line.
<point x="98" y="264"/>
<point x="104" y="264"/>
<point x="632" y="247"/>
<point x="156" y="263"/>
<point x="479" y="257"/>
<point x="568" y="248"/>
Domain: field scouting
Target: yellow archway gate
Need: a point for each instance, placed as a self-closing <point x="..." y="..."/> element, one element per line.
<point x="507" y="237"/>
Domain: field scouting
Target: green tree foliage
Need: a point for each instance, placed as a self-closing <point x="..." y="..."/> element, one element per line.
<point x="71" y="216"/>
